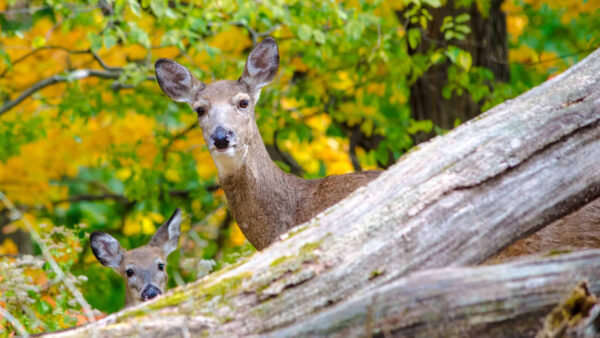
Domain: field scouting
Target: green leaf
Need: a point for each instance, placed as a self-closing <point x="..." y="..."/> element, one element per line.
<point x="304" y="32"/>
<point x="463" y="28"/>
<point x="135" y="7"/>
<point x="138" y="35"/>
<point x="436" y="57"/>
<point x="319" y="36"/>
<point x="95" y="41"/>
<point x="433" y="3"/>
<point x="414" y="37"/>
<point x="109" y="40"/>
<point x="38" y="42"/>
<point x="354" y="29"/>
<point x="417" y="126"/>
<point x="462" y="18"/>
<point x="159" y="7"/>
<point x="465" y="60"/>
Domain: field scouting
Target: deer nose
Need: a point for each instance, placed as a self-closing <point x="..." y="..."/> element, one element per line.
<point x="150" y="292"/>
<point x="221" y="138"/>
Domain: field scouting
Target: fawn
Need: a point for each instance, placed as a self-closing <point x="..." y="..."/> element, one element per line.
<point x="143" y="268"/>
<point x="264" y="200"/>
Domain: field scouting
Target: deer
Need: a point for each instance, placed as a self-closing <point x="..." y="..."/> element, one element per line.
<point x="143" y="268"/>
<point x="264" y="200"/>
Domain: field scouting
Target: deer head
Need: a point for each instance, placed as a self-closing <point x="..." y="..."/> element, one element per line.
<point x="143" y="268"/>
<point x="225" y="108"/>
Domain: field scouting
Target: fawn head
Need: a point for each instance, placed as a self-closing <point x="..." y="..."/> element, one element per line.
<point x="225" y="108"/>
<point x="143" y="268"/>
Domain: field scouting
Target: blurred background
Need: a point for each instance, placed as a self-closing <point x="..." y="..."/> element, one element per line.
<point x="88" y="141"/>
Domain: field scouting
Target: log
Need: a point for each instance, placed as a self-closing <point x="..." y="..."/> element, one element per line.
<point x="506" y="300"/>
<point x="454" y="201"/>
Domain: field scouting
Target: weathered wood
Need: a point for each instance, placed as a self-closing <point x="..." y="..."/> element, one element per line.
<point x="576" y="231"/>
<point x="507" y="300"/>
<point x="455" y="201"/>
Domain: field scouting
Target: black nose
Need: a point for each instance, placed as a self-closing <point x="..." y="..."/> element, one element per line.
<point x="150" y="292"/>
<point x="221" y="138"/>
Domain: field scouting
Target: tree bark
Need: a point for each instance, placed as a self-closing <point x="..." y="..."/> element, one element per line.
<point x="502" y="300"/>
<point x="455" y="201"/>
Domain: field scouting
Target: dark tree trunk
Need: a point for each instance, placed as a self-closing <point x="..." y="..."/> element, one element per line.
<point x="487" y="44"/>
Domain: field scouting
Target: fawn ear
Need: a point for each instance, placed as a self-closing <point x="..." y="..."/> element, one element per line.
<point x="177" y="81"/>
<point x="167" y="236"/>
<point x="262" y="64"/>
<point x="106" y="249"/>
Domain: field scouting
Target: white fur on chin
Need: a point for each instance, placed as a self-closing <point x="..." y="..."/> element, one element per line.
<point x="230" y="160"/>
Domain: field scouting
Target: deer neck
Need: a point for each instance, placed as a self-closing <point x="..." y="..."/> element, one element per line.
<point x="129" y="299"/>
<point x="263" y="199"/>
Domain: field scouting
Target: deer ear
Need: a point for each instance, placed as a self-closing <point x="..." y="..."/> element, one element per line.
<point x="106" y="249"/>
<point x="177" y="81"/>
<point x="262" y="64"/>
<point x="167" y="236"/>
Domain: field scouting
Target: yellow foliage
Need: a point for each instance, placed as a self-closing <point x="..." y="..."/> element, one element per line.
<point x="123" y="174"/>
<point x="516" y="24"/>
<point x="343" y="81"/>
<point x="172" y="175"/>
<point x="376" y="88"/>
<point x="237" y="237"/>
<point x="571" y="9"/>
<point x="319" y="123"/>
<point x="138" y="223"/>
<point x="523" y="54"/>
<point x="289" y="103"/>
<point x="8" y="247"/>
<point x="298" y="64"/>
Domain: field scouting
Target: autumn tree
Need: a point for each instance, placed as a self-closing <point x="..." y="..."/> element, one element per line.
<point x="89" y="142"/>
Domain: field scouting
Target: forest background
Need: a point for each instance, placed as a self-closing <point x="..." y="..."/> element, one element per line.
<point x="89" y="142"/>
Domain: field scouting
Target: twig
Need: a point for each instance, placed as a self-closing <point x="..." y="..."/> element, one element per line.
<point x="60" y="275"/>
<point x="14" y="321"/>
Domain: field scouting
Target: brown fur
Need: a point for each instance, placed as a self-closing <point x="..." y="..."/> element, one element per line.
<point x="147" y="263"/>
<point x="144" y="261"/>
<point x="266" y="202"/>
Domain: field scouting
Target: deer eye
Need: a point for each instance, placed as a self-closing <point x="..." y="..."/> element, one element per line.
<point x="161" y="266"/>
<point x="244" y="103"/>
<point x="200" y="111"/>
<point x="129" y="272"/>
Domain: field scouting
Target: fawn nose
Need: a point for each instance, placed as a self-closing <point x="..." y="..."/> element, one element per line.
<point x="150" y="292"/>
<point x="221" y="138"/>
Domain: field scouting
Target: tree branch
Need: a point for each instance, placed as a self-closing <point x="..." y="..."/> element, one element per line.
<point x="93" y="198"/>
<point x="277" y="154"/>
<point x="74" y="75"/>
<point x="254" y="35"/>
<point x="176" y="136"/>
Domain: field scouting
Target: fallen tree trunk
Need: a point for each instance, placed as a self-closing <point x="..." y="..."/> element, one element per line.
<point x="499" y="300"/>
<point x="455" y="201"/>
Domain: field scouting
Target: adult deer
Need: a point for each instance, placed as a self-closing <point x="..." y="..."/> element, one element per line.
<point x="264" y="200"/>
<point x="143" y="268"/>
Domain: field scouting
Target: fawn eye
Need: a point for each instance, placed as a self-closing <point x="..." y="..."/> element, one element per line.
<point x="161" y="266"/>
<point x="244" y="103"/>
<point x="129" y="272"/>
<point x="200" y="111"/>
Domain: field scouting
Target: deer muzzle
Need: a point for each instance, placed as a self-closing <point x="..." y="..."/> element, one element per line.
<point x="150" y="292"/>
<point x="222" y="138"/>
